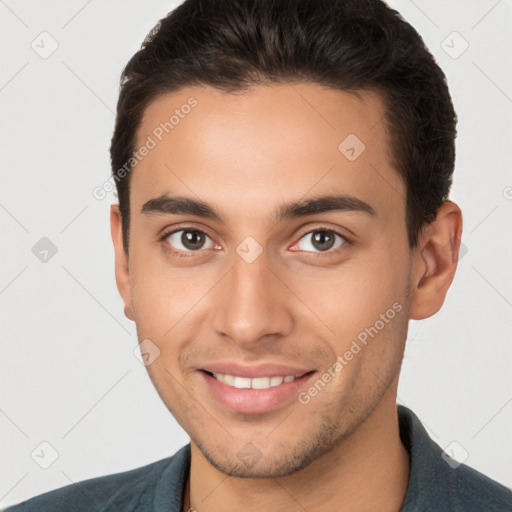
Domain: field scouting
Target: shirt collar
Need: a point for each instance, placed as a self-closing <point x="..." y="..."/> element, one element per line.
<point x="427" y="469"/>
<point x="429" y="474"/>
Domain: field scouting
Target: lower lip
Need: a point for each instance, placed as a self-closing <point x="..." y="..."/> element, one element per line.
<point x="254" y="401"/>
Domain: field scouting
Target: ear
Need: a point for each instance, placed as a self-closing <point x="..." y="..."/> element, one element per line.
<point x="121" y="260"/>
<point x="435" y="261"/>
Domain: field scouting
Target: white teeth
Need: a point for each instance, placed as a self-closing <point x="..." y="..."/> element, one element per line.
<point x="229" y="379"/>
<point x="275" y="381"/>
<point x="262" y="382"/>
<point x="256" y="383"/>
<point x="242" y="382"/>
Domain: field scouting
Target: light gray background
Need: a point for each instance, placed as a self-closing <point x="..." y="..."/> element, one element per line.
<point x="68" y="373"/>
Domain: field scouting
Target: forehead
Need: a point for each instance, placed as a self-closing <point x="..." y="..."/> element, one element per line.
<point x="265" y="146"/>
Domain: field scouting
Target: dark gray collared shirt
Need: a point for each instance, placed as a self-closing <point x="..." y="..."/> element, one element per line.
<point x="435" y="485"/>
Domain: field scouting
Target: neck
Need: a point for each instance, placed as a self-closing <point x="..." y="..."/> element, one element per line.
<point x="366" y="471"/>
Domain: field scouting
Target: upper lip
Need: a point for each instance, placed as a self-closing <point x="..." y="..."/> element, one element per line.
<point x="254" y="371"/>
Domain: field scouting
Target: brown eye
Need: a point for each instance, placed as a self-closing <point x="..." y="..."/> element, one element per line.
<point x="321" y="240"/>
<point x="189" y="240"/>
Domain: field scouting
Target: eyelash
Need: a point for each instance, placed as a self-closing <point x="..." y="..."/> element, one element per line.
<point x="175" y="252"/>
<point x="188" y="254"/>
<point x="325" y="229"/>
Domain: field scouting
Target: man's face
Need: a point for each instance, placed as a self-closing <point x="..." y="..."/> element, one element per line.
<point x="252" y="289"/>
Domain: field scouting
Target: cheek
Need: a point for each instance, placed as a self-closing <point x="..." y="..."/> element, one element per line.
<point x="161" y="293"/>
<point x="362" y="304"/>
<point x="169" y="310"/>
<point x="353" y="294"/>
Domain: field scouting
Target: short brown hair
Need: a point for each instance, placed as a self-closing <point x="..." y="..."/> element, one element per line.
<point x="347" y="45"/>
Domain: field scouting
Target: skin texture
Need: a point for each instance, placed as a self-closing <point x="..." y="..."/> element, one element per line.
<point x="247" y="154"/>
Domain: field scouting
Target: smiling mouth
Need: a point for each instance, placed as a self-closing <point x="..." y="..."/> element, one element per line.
<point x="264" y="382"/>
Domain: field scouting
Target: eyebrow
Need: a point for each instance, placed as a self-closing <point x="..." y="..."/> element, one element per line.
<point x="176" y="205"/>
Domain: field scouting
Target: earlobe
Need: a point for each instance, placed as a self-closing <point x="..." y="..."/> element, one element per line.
<point x="121" y="261"/>
<point x="128" y="312"/>
<point x="435" y="262"/>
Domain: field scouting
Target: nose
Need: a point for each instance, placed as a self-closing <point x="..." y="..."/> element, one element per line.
<point x="252" y="304"/>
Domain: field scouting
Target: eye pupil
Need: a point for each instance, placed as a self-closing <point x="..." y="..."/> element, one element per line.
<point x="192" y="239"/>
<point x="323" y="240"/>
